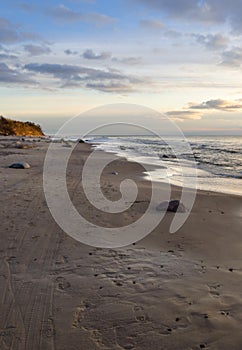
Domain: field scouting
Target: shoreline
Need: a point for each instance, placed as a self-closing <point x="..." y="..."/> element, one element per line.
<point x="207" y="180"/>
<point x="154" y="167"/>
<point x="171" y="291"/>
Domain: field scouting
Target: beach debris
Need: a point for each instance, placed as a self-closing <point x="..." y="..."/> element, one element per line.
<point x="114" y="173"/>
<point x="24" y="145"/>
<point x="21" y="165"/>
<point x="66" y="144"/>
<point x="173" y="206"/>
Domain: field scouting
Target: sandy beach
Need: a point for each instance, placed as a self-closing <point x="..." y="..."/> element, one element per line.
<point x="169" y="291"/>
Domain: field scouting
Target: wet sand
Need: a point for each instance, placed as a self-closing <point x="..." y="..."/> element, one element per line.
<point x="169" y="291"/>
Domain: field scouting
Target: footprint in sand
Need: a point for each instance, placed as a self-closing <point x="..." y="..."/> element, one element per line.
<point x="62" y="283"/>
<point x="139" y="313"/>
<point x="6" y="338"/>
<point x="78" y="315"/>
<point x="213" y="290"/>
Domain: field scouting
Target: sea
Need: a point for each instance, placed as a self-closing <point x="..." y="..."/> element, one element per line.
<point x="212" y="163"/>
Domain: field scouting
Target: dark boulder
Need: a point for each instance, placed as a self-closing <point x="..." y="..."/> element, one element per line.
<point x="21" y="165"/>
<point x="172" y="206"/>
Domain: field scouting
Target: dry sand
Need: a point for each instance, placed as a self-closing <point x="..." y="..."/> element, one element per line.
<point x="169" y="291"/>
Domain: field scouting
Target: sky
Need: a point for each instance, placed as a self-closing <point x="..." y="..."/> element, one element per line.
<point x="182" y="58"/>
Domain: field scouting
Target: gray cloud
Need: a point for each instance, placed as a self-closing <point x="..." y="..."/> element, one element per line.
<point x="174" y="34"/>
<point x="173" y="8"/>
<point x="13" y="76"/>
<point x="37" y="50"/>
<point x="112" y="87"/>
<point x="219" y="104"/>
<point x="64" y="14"/>
<point x="7" y="56"/>
<point x="212" y="41"/>
<point x="10" y="33"/>
<point x="69" y="52"/>
<point x="184" y="114"/>
<point x="99" y="19"/>
<point x="152" y="24"/>
<point x="232" y="57"/>
<point x="78" y="76"/>
<point x="91" y="55"/>
<point x="209" y="11"/>
<point x="131" y="61"/>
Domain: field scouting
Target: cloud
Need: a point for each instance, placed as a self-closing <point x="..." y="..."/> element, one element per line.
<point x="99" y="19"/>
<point x="196" y="111"/>
<point x="212" y="41"/>
<point x="152" y="24"/>
<point x="84" y="77"/>
<point x="209" y="11"/>
<point x="132" y="61"/>
<point x="91" y="55"/>
<point x="219" y="104"/>
<point x="184" y="114"/>
<point x="37" y="50"/>
<point x="171" y="33"/>
<point x="6" y="56"/>
<point x="70" y="52"/>
<point x="112" y="87"/>
<point x="173" y="8"/>
<point x="13" y="76"/>
<point x="65" y="15"/>
<point x="10" y="34"/>
<point x="232" y="57"/>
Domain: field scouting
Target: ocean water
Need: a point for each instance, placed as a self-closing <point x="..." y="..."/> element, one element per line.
<point x="214" y="163"/>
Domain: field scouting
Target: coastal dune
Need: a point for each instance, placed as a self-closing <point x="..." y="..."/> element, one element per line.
<point x="168" y="291"/>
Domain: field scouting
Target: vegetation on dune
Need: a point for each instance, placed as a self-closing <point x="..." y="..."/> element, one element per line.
<point x="9" y="127"/>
